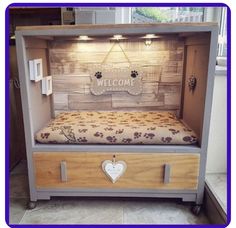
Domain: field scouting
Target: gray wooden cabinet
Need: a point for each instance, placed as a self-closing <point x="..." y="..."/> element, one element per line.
<point x="198" y="56"/>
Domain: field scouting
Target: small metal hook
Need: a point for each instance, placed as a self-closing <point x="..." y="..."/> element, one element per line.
<point x="16" y="82"/>
<point x="114" y="159"/>
<point x="192" y="83"/>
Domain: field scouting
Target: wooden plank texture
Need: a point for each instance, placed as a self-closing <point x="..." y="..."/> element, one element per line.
<point x="114" y="26"/>
<point x="161" y="63"/>
<point x="89" y="102"/>
<point x="194" y="102"/>
<point x="144" y="170"/>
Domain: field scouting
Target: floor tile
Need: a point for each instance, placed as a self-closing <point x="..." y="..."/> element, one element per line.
<point x="17" y="210"/>
<point x="19" y="186"/>
<point x="218" y="185"/>
<point x="20" y="168"/>
<point x="75" y="211"/>
<point x="160" y="212"/>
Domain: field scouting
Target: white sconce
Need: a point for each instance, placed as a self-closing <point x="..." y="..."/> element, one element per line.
<point x="84" y="38"/>
<point x="148" y="38"/>
<point x="36" y="69"/>
<point x="47" y="85"/>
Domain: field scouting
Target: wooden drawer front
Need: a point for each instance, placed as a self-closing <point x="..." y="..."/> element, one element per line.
<point x="144" y="170"/>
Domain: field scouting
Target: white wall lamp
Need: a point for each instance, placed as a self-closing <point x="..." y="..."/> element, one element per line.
<point x="47" y="85"/>
<point x="118" y="37"/>
<point x="148" y="38"/>
<point x="36" y="69"/>
<point x="84" y="38"/>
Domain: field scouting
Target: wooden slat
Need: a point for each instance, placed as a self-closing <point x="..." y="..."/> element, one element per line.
<point x="120" y="100"/>
<point x="150" y="87"/>
<point x="114" y="26"/>
<point x="144" y="170"/>
<point x="169" y="88"/>
<point x="167" y="44"/>
<point x="172" y="98"/>
<point x="89" y="102"/>
<point x="115" y="56"/>
<point x="171" y="78"/>
<point x="60" y="101"/>
<point x="70" y="83"/>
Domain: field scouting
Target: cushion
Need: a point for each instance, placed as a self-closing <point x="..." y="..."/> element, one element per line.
<point x="105" y="127"/>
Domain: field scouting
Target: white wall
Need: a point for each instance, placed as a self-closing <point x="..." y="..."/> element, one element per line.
<point x="216" y="158"/>
<point x="106" y="15"/>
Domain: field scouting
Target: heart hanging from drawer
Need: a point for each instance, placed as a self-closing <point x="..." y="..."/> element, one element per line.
<point x="114" y="170"/>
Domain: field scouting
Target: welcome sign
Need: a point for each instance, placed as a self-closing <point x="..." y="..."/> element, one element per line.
<point x="104" y="80"/>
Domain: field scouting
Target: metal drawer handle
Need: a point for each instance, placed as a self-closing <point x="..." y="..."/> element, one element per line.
<point x="166" y="178"/>
<point x="63" y="171"/>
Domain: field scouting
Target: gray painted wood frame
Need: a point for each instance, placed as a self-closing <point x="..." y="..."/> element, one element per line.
<point x="37" y="194"/>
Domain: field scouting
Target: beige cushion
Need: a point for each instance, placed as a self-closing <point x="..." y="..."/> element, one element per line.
<point x="106" y="127"/>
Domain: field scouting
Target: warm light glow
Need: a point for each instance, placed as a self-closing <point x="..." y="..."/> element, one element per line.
<point x="118" y="37"/>
<point x="148" y="42"/>
<point x="150" y="36"/>
<point x="84" y="38"/>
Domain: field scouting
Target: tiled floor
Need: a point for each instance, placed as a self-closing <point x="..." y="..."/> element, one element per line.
<point x="217" y="182"/>
<point x="94" y="210"/>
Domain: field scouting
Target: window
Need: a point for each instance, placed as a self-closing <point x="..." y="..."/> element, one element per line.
<point x="167" y="14"/>
<point x="185" y="14"/>
<point x="222" y="50"/>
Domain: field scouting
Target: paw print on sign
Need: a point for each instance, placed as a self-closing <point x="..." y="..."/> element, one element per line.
<point x="98" y="75"/>
<point x="134" y="74"/>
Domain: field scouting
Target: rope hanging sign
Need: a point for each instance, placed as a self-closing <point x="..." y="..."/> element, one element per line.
<point x="106" y="77"/>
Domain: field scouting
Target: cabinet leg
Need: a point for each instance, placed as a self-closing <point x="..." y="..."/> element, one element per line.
<point x="31" y="205"/>
<point x="196" y="209"/>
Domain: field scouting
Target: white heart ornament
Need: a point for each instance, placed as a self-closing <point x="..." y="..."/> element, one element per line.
<point x="114" y="170"/>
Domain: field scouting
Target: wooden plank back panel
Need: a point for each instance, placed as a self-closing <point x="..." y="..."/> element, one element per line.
<point x="161" y="64"/>
<point x="144" y="170"/>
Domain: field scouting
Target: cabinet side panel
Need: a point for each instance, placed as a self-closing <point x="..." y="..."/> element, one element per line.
<point x="40" y="105"/>
<point x="197" y="58"/>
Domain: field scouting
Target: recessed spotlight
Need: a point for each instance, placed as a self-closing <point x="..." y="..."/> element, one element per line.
<point x="84" y="38"/>
<point x="149" y="36"/>
<point x="118" y="37"/>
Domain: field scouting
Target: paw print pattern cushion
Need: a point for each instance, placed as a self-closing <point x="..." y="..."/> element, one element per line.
<point x="105" y="127"/>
